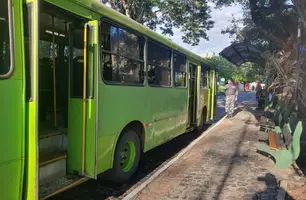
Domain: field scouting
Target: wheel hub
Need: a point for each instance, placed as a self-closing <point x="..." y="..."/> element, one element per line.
<point x="127" y="156"/>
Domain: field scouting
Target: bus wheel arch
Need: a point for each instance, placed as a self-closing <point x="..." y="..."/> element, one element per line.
<point x="128" y="149"/>
<point x="140" y="130"/>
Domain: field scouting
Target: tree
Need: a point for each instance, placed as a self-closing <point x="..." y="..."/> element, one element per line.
<point x="225" y="68"/>
<point x="247" y="72"/>
<point x="283" y="25"/>
<point x="191" y="17"/>
<point x="249" y="33"/>
<point x="267" y="24"/>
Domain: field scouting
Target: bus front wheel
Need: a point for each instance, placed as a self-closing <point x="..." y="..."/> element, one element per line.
<point x="127" y="155"/>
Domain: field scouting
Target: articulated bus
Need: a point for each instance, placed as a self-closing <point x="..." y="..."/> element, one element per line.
<point x="86" y="90"/>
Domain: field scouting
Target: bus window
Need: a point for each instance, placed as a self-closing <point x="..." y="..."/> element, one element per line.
<point x="77" y="69"/>
<point x="179" y="64"/>
<point x="204" y="76"/>
<point x="159" y="65"/>
<point x="122" y="56"/>
<point x="5" y="63"/>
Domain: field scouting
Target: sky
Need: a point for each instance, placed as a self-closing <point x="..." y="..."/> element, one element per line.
<point x="217" y="42"/>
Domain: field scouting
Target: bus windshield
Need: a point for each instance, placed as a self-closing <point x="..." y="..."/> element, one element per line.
<point x="4" y="38"/>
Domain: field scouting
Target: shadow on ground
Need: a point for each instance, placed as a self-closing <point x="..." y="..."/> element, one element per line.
<point x="271" y="186"/>
<point x="150" y="161"/>
<point x="235" y="160"/>
<point x="154" y="159"/>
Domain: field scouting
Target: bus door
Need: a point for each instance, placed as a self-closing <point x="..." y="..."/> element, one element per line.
<point x="216" y="93"/>
<point x="213" y="84"/>
<point x="83" y="109"/>
<point x="192" y="94"/>
<point x="12" y="102"/>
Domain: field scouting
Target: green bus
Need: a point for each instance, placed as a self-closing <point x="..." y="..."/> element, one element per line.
<point x="86" y="90"/>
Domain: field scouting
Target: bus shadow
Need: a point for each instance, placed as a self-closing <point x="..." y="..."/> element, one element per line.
<point x="149" y="162"/>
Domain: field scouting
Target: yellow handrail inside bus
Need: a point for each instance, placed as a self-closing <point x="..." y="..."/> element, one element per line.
<point x="54" y="74"/>
<point x="84" y="99"/>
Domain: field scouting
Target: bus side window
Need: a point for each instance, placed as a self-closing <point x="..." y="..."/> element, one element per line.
<point x="179" y="63"/>
<point x="159" y="60"/>
<point x="122" y="56"/>
<point x="77" y="68"/>
<point x="204" y="76"/>
<point x="107" y="67"/>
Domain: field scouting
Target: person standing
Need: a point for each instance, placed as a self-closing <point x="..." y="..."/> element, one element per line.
<point x="231" y="92"/>
<point x="247" y="87"/>
<point x="258" y="90"/>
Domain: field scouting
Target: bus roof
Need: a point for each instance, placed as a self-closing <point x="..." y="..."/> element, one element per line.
<point x="117" y="17"/>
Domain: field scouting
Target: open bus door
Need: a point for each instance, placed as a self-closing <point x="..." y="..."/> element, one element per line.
<point x="213" y="93"/>
<point x="83" y="109"/>
<point x="31" y="52"/>
<point x="193" y="91"/>
<point x="216" y="93"/>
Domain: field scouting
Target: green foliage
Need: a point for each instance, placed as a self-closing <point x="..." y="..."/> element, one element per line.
<point x="267" y="24"/>
<point x="191" y="17"/>
<point x="224" y="67"/>
<point x="247" y="72"/>
<point x="249" y="33"/>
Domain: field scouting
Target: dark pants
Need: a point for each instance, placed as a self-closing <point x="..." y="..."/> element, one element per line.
<point x="261" y="102"/>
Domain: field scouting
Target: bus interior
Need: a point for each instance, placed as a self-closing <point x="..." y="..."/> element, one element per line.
<point x="59" y="34"/>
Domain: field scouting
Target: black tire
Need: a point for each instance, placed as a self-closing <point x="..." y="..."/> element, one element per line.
<point x="199" y="129"/>
<point x="118" y="175"/>
<point x="204" y="117"/>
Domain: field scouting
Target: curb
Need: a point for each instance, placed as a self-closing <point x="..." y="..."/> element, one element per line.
<point x="134" y="192"/>
<point x="282" y="190"/>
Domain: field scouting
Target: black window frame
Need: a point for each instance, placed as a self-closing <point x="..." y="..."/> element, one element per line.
<point x="149" y="63"/>
<point x="173" y="72"/>
<point x="90" y="91"/>
<point x="11" y="41"/>
<point x="73" y="67"/>
<point x="101" y="69"/>
<point x="205" y="75"/>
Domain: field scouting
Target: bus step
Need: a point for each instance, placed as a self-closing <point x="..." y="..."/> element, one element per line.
<point x="53" y="140"/>
<point x="210" y="122"/>
<point x="50" y="132"/>
<point x="52" y="166"/>
<point x="54" y="187"/>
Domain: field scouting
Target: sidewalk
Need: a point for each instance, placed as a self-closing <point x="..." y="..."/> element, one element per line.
<point x="223" y="165"/>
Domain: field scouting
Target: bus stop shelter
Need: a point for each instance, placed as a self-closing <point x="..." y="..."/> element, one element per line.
<point x="239" y="53"/>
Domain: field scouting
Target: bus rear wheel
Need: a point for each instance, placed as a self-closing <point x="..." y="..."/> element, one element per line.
<point x="127" y="155"/>
<point x="204" y="117"/>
